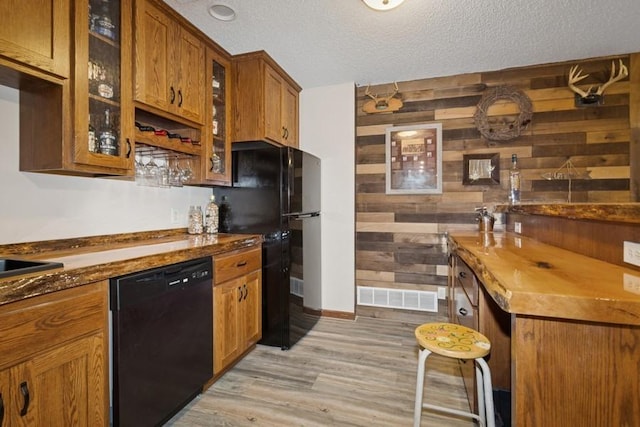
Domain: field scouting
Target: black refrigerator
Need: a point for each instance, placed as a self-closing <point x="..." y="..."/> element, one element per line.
<point x="276" y="192"/>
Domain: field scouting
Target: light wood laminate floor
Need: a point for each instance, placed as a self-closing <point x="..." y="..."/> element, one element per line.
<point x="343" y="373"/>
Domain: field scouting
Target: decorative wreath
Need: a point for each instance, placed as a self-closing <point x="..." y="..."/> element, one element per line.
<point x="507" y="130"/>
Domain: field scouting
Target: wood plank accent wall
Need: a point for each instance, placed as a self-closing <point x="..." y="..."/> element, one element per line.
<point x="400" y="239"/>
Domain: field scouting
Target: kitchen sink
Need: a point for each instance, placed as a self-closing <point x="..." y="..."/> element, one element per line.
<point x="14" y="267"/>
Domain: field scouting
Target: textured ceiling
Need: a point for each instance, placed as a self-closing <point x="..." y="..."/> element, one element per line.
<point x="325" y="42"/>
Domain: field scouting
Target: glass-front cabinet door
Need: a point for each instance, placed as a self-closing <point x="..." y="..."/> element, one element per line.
<point x="217" y="167"/>
<point x="103" y="122"/>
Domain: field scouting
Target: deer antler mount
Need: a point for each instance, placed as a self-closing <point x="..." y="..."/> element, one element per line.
<point x="593" y="96"/>
<point x="382" y="104"/>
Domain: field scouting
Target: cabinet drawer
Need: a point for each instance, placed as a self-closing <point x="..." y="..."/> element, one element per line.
<point x="39" y="323"/>
<point x="465" y="314"/>
<point x="467" y="280"/>
<point x="237" y="264"/>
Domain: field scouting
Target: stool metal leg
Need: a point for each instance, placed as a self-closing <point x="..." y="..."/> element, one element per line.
<point x="488" y="393"/>
<point x="482" y="410"/>
<point x="485" y="397"/>
<point x="417" y="411"/>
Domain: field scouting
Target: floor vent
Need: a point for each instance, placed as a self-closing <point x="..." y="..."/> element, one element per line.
<point x="296" y="286"/>
<point x="398" y="298"/>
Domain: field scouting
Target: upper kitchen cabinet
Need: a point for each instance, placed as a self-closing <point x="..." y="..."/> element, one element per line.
<point x="217" y="141"/>
<point x="169" y="63"/>
<point x="35" y="36"/>
<point x="85" y="126"/>
<point x="265" y="101"/>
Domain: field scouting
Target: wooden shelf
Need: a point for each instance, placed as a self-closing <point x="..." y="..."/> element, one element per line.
<point x="167" y="143"/>
<point x="108" y="101"/>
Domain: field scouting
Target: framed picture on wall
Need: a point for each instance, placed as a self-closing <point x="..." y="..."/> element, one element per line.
<point x="414" y="159"/>
<point x="481" y="169"/>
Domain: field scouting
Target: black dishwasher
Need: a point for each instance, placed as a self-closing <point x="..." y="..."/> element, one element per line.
<point x="162" y="341"/>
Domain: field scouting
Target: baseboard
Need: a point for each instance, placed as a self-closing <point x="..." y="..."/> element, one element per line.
<point x="331" y="313"/>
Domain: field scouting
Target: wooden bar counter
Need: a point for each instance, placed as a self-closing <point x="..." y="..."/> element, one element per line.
<point x="570" y="350"/>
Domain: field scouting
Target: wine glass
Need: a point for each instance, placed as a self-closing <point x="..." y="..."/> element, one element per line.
<point x="163" y="173"/>
<point x="187" y="172"/>
<point x="175" y="173"/>
<point x="151" y="172"/>
<point x="139" y="168"/>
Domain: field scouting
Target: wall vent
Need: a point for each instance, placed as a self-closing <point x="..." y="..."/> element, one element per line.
<point x="398" y="298"/>
<point x="296" y="287"/>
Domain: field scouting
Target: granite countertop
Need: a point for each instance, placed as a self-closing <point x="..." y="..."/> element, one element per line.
<point x="526" y="277"/>
<point x="88" y="260"/>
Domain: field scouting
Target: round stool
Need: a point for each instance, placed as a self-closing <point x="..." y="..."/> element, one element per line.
<point x="459" y="342"/>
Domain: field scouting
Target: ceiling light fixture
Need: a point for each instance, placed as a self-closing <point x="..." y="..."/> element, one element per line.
<point x="222" y="12"/>
<point x="382" y="4"/>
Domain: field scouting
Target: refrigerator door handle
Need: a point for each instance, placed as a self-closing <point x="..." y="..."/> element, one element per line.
<point x="298" y="215"/>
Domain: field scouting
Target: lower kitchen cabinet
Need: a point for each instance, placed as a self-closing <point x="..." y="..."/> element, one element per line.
<point x="237" y="306"/>
<point x="53" y="369"/>
<point x="464" y="311"/>
<point x="472" y="307"/>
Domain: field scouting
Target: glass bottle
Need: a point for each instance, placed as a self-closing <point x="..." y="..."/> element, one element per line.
<point x="92" y="137"/>
<point x="107" y="139"/>
<point x="225" y="216"/>
<point x="211" y="216"/>
<point x="216" y="163"/>
<point x="215" y="84"/>
<point x="215" y="121"/>
<point x="515" y="181"/>
<point x="195" y="220"/>
<point x="105" y="87"/>
<point x="105" y="26"/>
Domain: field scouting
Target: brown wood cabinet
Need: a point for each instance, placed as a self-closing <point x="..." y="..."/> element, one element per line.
<point x="54" y="368"/>
<point x="93" y="135"/>
<point x="470" y="306"/>
<point x="265" y="101"/>
<point x="237" y="306"/>
<point x="464" y="311"/>
<point x="216" y="165"/>
<point x="169" y="63"/>
<point x="36" y="34"/>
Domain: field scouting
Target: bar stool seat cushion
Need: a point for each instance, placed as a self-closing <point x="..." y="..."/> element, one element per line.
<point x="451" y="340"/>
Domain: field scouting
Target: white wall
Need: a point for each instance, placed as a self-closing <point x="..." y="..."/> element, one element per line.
<point x="37" y="206"/>
<point x="327" y="129"/>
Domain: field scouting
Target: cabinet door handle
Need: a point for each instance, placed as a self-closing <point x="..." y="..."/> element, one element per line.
<point x="173" y="94"/>
<point x="179" y="98"/>
<point x="240" y="293"/>
<point x="128" y="148"/>
<point x="246" y="292"/>
<point x="241" y="264"/>
<point x="1" y="410"/>
<point x="24" y="389"/>
<point x="463" y="274"/>
<point x="463" y="311"/>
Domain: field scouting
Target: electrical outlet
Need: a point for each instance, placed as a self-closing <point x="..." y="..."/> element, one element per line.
<point x="442" y="292"/>
<point x="631" y="253"/>
<point x="631" y="283"/>
<point x="518" y="227"/>
<point x="175" y="216"/>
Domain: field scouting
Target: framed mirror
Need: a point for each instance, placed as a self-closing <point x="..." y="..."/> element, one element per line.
<point x="481" y="169"/>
